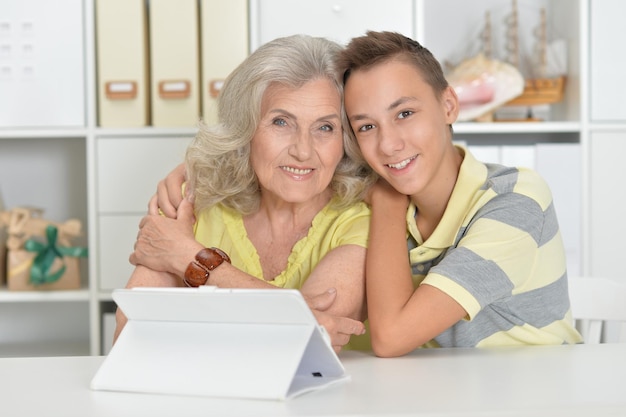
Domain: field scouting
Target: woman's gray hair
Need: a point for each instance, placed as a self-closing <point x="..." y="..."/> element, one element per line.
<point x="218" y="159"/>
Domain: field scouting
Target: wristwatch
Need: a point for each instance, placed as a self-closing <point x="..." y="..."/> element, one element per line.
<point x="198" y="270"/>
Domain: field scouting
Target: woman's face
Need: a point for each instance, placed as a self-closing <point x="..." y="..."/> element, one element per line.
<point x="298" y="143"/>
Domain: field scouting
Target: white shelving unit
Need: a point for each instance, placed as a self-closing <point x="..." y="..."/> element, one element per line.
<point x="44" y="135"/>
<point x="71" y="322"/>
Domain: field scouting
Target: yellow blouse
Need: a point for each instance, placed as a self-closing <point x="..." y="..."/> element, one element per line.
<point x="223" y="227"/>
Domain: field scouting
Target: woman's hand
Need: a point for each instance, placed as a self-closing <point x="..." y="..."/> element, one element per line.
<point x="169" y="195"/>
<point x="167" y="245"/>
<point x="340" y="329"/>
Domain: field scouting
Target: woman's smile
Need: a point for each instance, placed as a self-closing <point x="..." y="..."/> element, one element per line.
<point x="299" y="172"/>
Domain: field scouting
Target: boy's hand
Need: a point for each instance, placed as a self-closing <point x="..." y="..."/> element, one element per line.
<point x="340" y="329"/>
<point x="165" y="244"/>
<point x="382" y="192"/>
<point x="169" y="196"/>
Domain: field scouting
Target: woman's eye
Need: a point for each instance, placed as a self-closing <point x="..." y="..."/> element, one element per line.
<point x="365" y="128"/>
<point x="327" y="128"/>
<point x="279" y="122"/>
<point x="405" y="114"/>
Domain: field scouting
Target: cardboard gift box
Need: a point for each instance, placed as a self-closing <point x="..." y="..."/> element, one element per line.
<point x="3" y="244"/>
<point x="3" y="253"/>
<point x="39" y="253"/>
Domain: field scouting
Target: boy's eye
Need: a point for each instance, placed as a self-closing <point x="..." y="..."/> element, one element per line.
<point x="404" y="114"/>
<point x="365" y="128"/>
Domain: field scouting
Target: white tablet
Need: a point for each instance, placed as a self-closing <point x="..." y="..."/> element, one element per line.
<point x="207" y="341"/>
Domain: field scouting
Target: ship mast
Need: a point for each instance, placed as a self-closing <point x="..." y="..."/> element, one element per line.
<point x="540" y="45"/>
<point x="512" y="37"/>
<point x="485" y="36"/>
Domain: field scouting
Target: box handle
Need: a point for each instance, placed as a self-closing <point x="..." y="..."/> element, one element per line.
<point x="215" y="86"/>
<point x="174" y="89"/>
<point x="120" y="90"/>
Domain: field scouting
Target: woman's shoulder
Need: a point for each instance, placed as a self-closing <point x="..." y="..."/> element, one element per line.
<point x="343" y="213"/>
<point x="344" y="224"/>
<point x="335" y="226"/>
<point x="218" y="214"/>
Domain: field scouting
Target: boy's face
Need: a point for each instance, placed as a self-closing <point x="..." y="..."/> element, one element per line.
<point x="401" y="126"/>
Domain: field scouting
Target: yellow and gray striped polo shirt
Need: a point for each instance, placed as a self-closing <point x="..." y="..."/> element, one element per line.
<point x="498" y="252"/>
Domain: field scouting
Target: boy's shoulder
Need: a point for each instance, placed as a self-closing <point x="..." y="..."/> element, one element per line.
<point x="519" y="180"/>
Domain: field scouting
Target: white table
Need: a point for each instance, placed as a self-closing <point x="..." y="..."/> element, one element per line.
<point x="581" y="380"/>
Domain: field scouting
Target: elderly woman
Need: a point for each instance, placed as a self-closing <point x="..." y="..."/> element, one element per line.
<point x="276" y="192"/>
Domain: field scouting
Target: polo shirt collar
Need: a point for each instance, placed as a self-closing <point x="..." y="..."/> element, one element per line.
<point x="471" y="178"/>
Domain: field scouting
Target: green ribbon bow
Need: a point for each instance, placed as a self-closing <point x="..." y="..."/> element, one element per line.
<point x="46" y="253"/>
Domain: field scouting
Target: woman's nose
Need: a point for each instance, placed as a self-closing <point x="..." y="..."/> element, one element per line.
<point x="302" y="146"/>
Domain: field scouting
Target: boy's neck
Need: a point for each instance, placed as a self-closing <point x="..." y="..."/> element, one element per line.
<point x="432" y="203"/>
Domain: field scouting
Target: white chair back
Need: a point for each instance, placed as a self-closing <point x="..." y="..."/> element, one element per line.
<point x="595" y="302"/>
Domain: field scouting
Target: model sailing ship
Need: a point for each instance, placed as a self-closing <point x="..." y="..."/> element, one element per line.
<point x="542" y="89"/>
<point x="485" y="84"/>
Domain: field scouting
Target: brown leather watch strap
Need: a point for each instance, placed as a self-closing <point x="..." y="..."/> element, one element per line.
<point x="198" y="270"/>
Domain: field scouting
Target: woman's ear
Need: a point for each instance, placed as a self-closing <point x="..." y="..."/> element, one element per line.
<point x="450" y="103"/>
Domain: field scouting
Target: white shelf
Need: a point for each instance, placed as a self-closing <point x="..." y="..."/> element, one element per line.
<point x="517" y="127"/>
<point x="105" y="296"/>
<point x="607" y="127"/>
<point x="145" y="132"/>
<point x="7" y="296"/>
<point x="79" y="133"/>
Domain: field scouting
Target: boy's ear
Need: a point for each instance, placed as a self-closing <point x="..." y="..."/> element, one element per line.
<point x="450" y="103"/>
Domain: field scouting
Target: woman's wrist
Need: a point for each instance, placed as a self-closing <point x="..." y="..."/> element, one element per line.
<point x="185" y="255"/>
<point x="199" y="269"/>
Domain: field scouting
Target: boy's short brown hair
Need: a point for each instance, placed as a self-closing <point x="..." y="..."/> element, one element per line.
<point x="374" y="48"/>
